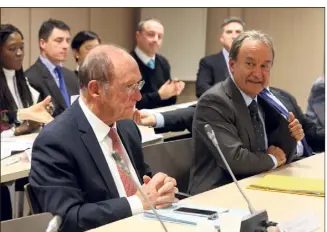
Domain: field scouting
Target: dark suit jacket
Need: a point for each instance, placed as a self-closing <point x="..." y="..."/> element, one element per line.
<point x="178" y="120"/>
<point x="314" y="134"/>
<point x="224" y="108"/>
<point x="316" y="103"/>
<point x="212" y="69"/>
<point x="70" y="175"/>
<point x="41" y="80"/>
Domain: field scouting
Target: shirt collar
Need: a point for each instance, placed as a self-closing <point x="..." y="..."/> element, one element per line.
<point x="100" y="129"/>
<point x="143" y="57"/>
<point x="246" y="97"/>
<point x="47" y="63"/>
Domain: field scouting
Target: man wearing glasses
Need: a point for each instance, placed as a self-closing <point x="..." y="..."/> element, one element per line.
<point x="74" y="174"/>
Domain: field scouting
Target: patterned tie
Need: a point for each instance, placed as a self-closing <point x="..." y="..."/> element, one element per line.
<point x="307" y="150"/>
<point x="62" y="85"/>
<point x="129" y="186"/>
<point x="257" y="126"/>
<point x="150" y="64"/>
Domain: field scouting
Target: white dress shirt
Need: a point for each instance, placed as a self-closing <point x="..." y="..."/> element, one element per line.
<point x="12" y="85"/>
<point x="144" y="57"/>
<point x="101" y="131"/>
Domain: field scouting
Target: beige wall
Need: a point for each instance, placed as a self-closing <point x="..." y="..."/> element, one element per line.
<point x="114" y="25"/>
<point x="298" y="35"/>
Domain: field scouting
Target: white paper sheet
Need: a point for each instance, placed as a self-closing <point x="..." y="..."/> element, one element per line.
<point x="8" y="145"/>
<point x="306" y="222"/>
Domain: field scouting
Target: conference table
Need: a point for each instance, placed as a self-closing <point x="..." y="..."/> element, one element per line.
<point x="280" y="206"/>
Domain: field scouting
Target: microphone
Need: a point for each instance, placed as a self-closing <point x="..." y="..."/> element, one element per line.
<point x="121" y="163"/>
<point x="257" y="220"/>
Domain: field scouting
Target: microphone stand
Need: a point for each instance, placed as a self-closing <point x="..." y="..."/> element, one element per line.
<point x="257" y="220"/>
<point x="120" y="162"/>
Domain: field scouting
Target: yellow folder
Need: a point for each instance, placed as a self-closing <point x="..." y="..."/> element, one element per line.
<point x="290" y="184"/>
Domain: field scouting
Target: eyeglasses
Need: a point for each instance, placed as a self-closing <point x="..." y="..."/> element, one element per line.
<point x="132" y="88"/>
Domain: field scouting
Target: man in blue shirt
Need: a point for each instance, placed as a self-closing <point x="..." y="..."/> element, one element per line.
<point x="47" y="75"/>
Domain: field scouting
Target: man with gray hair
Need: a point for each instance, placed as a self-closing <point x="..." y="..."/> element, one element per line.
<point x="159" y="89"/>
<point x="74" y="174"/>
<point x="253" y="136"/>
<point x="215" y="68"/>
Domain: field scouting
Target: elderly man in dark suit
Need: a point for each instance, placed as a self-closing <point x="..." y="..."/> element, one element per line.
<point x="47" y="75"/>
<point x="215" y="68"/>
<point x="252" y="134"/>
<point x="74" y="174"/>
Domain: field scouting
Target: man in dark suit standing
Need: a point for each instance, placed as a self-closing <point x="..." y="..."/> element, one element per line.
<point x="215" y="68"/>
<point x="73" y="173"/>
<point x="159" y="89"/>
<point x="47" y="75"/>
<point x="253" y="136"/>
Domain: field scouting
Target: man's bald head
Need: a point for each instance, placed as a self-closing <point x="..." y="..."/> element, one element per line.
<point x="103" y="63"/>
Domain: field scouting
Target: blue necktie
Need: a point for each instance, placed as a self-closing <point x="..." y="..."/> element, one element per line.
<point x="62" y="85"/>
<point x="265" y="95"/>
<point x="150" y="64"/>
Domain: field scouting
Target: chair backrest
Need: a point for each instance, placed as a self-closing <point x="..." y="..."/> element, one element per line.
<point x="31" y="199"/>
<point x="173" y="158"/>
<point x="33" y="223"/>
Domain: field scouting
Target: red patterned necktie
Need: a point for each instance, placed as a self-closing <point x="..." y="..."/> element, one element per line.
<point x="129" y="186"/>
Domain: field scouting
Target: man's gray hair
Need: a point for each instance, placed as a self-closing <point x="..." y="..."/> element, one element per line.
<point x="141" y="23"/>
<point x="97" y="66"/>
<point x="232" y="20"/>
<point x="251" y="35"/>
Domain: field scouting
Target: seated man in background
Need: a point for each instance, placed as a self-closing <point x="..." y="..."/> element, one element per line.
<point x="74" y="174"/>
<point x="284" y="102"/>
<point x="159" y="89"/>
<point x="82" y="44"/>
<point x="47" y="75"/>
<point x="253" y="136"/>
<point x="316" y="102"/>
<point x="215" y="68"/>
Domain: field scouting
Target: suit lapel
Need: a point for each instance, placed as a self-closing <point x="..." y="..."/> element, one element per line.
<point x="241" y="108"/>
<point x="51" y="84"/>
<point x="222" y="61"/>
<point x="94" y="149"/>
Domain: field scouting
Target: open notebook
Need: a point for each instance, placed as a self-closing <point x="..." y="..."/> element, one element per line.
<point x="290" y="184"/>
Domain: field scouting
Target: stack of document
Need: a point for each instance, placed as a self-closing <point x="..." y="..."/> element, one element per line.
<point x="168" y="214"/>
<point x="290" y="184"/>
<point x="14" y="145"/>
